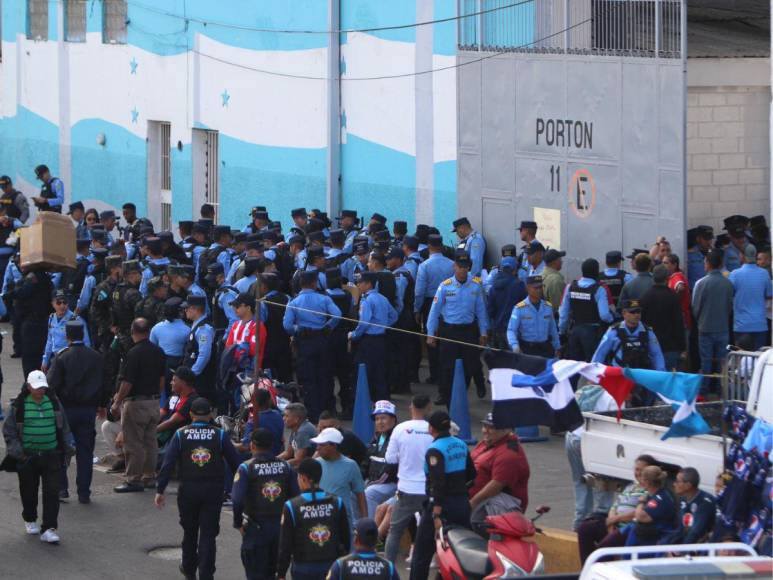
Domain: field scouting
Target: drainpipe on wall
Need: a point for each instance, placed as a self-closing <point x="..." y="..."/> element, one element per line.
<point x="334" y="110"/>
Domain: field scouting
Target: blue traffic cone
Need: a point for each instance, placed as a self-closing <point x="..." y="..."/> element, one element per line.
<point x="530" y="434"/>
<point x="363" y="423"/>
<point x="459" y="409"/>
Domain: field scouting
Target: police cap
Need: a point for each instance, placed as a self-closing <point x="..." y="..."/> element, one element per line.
<point x="185" y="224"/>
<point x="509" y="250"/>
<point x="155" y="283"/>
<point x="195" y="300"/>
<point x="309" y="277"/>
<point x="220" y="231"/>
<point x="440" y="421"/>
<point x="154" y="245"/>
<point x="735" y="220"/>
<point x="315" y="236"/>
<point x="348" y="213"/>
<point x="131" y="266"/>
<point x="298" y="212"/>
<point x="59" y="295"/>
<point x="252" y="264"/>
<point x="296" y="239"/>
<point x="552" y="255"/>
<point x="270" y="235"/>
<point x="381" y="235"/>
<point x="243" y="299"/>
<point x="40" y="170"/>
<point x="360" y="245"/>
<point x="184" y="270"/>
<point x="333" y="277"/>
<point x="337" y="236"/>
<point x="631" y="305"/>
<point x="411" y="242"/>
<point x="82" y="243"/>
<point x="534" y="247"/>
<point x="400" y="227"/>
<point x="377" y="217"/>
<point x="200" y="407"/>
<point x="73" y="206"/>
<point x="528" y="225"/>
<point x="314" y="225"/>
<point x="254" y="245"/>
<point x="736" y="231"/>
<point x="758" y="221"/>
<point x="463" y="221"/>
<point x="260" y="215"/>
<point x="314" y="253"/>
<point x="166" y="236"/>
<point x="98" y="235"/>
<point x="367" y="277"/>
<point x="395" y="254"/>
<point x="106" y="215"/>
<point x="101" y="253"/>
<point x="200" y="229"/>
<point x="463" y="259"/>
<point x="73" y="330"/>
<point x="112" y="261"/>
<point x="215" y="269"/>
<point x="435" y="240"/>
<point x="367" y="532"/>
<point x="614" y="257"/>
<point x="239" y="237"/>
<point x="534" y="281"/>
<point x="422" y="231"/>
<point x="5" y="180"/>
<point x="381" y="246"/>
<point x="705" y="232"/>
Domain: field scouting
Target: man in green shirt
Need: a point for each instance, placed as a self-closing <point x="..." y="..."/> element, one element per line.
<point x="553" y="282"/>
<point x="36" y="435"/>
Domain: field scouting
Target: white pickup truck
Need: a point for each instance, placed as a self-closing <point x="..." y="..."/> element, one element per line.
<point x="609" y="447"/>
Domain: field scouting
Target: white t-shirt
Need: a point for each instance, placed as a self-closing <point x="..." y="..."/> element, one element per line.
<point x="407" y="448"/>
<point x="605" y="402"/>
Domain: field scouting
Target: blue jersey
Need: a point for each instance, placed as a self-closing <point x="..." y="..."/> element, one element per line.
<point x="752" y="288"/>
<point x="57" y="338"/>
<point x="310" y="310"/>
<point x="532" y="323"/>
<point x="430" y="275"/>
<point x="610" y="346"/>
<point x="170" y="336"/>
<point x="458" y="303"/>
<point x="696" y="268"/>
<point x="374" y="309"/>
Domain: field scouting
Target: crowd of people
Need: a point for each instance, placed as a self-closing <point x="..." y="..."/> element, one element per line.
<point x="172" y="325"/>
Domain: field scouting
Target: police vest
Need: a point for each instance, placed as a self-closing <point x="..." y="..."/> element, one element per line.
<point x="316" y="527"/>
<point x="633" y="350"/>
<point x="454" y="452"/>
<point x="8" y="200"/>
<point x="356" y="566"/>
<point x="410" y="288"/>
<point x="344" y="303"/>
<point x="122" y="308"/>
<point x="614" y="282"/>
<point x="268" y="483"/>
<point x="151" y="308"/>
<point x="387" y="286"/>
<point x="219" y="319"/>
<point x="191" y="353"/>
<point x="47" y="192"/>
<point x="201" y="453"/>
<point x="73" y="280"/>
<point x="582" y="304"/>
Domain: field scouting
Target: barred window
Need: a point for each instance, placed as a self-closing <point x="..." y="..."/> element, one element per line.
<point x="114" y="25"/>
<point x="37" y="19"/>
<point x="75" y="20"/>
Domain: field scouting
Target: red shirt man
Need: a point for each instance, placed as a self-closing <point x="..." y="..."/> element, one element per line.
<point x="243" y="330"/>
<point x="677" y="281"/>
<point x="501" y="466"/>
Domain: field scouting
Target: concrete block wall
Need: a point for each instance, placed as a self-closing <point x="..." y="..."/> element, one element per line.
<point x="728" y="151"/>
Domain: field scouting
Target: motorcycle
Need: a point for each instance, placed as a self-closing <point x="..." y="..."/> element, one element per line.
<point x="464" y="555"/>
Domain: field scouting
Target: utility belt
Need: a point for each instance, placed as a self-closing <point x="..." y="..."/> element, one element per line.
<point x="447" y="326"/>
<point x="528" y="344"/>
<point x="312" y="332"/>
<point x="142" y="398"/>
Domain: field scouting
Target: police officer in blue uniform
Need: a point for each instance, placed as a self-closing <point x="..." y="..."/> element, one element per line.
<point x="696" y="255"/>
<point x="358" y="263"/>
<point x="734" y="254"/>
<point x="584" y="309"/>
<point x="314" y="528"/>
<point x="155" y="264"/>
<point x="363" y="563"/>
<point x="261" y="488"/>
<point x="199" y="451"/>
<point x="171" y="335"/>
<point x="471" y="242"/>
<point x="532" y="328"/>
<point x="450" y="473"/>
<point x="507" y="251"/>
<point x="369" y="337"/>
<point x="338" y="345"/>
<point x="51" y="195"/>
<point x="348" y="223"/>
<point x="309" y="319"/>
<point x="458" y="312"/>
<point x="410" y="249"/>
<point x="613" y="276"/>
<point x="223" y="314"/>
<point x="57" y="323"/>
<point x="528" y="234"/>
<point x="197" y="354"/>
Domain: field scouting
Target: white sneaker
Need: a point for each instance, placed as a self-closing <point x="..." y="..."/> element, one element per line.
<point x="50" y="536"/>
<point x="33" y="529"/>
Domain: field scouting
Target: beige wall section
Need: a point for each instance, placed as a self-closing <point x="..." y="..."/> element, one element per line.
<point x="728" y="139"/>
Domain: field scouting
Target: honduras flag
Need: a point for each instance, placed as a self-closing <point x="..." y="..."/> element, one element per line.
<point x="679" y="390"/>
<point x="529" y="390"/>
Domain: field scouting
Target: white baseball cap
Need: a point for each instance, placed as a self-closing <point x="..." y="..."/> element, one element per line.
<point x="329" y="435"/>
<point x="37" y="380"/>
<point x="384" y="408"/>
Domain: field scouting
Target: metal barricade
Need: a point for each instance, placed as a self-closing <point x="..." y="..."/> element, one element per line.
<point x="739" y="369"/>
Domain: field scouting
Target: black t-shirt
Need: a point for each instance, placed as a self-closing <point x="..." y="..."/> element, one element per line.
<point x="145" y="366"/>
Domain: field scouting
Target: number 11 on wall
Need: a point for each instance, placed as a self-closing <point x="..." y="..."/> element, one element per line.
<point x="555" y="178"/>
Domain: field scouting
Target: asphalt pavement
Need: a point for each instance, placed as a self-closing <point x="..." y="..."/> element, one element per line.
<point x="125" y="536"/>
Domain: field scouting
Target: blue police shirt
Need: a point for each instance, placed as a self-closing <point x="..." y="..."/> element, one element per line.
<point x="196" y="257"/>
<point x="225" y="295"/>
<point x="310" y="310"/>
<point x="532" y="271"/>
<point x="612" y="271"/>
<point x="695" y="266"/>
<point x="351" y="267"/>
<point x="752" y="287"/>
<point x="231" y="272"/>
<point x="374" y="309"/>
<point x="170" y="336"/>
<point x="243" y="284"/>
<point x="402" y="285"/>
<point x="11" y="275"/>
<point x="85" y="296"/>
<point x="147" y="273"/>
<point x="196" y="290"/>
<point x="475" y="246"/>
<point x="205" y="336"/>
<point x="602" y="301"/>
<point x="610" y="343"/>
<point x="734" y="257"/>
<point x="300" y="260"/>
<point x="532" y="323"/>
<point x="349" y="241"/>
<point x="430" y="275"/>
<point x="57" y="338"/>
<point x="458" y="303"/>
<point x="57" y="188"/>
<point x="412" y="263"/>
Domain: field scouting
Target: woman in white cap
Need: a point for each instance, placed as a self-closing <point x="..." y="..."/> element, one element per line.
<point x="37" y="436"/>
<point x="382" y="478"/>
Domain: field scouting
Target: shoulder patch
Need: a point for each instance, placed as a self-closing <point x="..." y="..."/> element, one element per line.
<point x="447" y="282"/>
<point x="521" y="304"/>
<point x="548" y="303"/>
<point x="476" y="279"/>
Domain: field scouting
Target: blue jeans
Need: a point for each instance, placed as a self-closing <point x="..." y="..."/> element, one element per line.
<point x="713" y="350"/>
<point x="377" y="494"/>
<point x="586" y="500"/>
<point x="751" y="340"/>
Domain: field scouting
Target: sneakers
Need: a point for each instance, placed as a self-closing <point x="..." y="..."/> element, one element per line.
<point x="33" y="529"/>
<point x="50" y="536"/>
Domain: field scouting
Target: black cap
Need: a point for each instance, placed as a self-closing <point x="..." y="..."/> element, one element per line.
<point x="59" y="295"/>
<point x="735" y="220"/>
<point x="377" y="217"/>
<point x="270" y="235"/>
<point x="309" y="277"/>
<point x="172" y="306"/>
<point x="337" y="236"/>
<point x="534" y="247"/>
<point x="435" y="240"/>
<point x="166" y="236"/>
<point x="201" y="407"/>
<point x="360" y="245"/>
<point x="463" y="221"/>
<point x="239" y="237"/>
<point x="112" y="261"/>
<point x="368" y="277"/>
<point x="101" y="253"/>
<point x="185" y="224"/>
<point x="186" y="270"/>
<point x="83" y="243"/>
<point x="155" y="283"/>
<point x="614" y="256"/>
<point x="252" y="264"/>
<point x="298" y="212"/>
<point x="260" y="215"/>
<point x="98" y="235"/>
<point x="366" y="531"/>
<point x="220" y="231"/>
<point x="631" y="304"/>
<point x="411" y="242"/>
<point x="526" y="224"/>
<point x="243" y="299"/>
<point x="400" y="227"/>
<point x="552" y="255"/>
<point x="195" y="300"/>
<point x="40" y="169"/>
<point x="440" y="421"/>
<point x="348" y="213"/>
<point x="754" y="222"/>
<point x="381" y="235"/>
<point x="200" y="229"/>
<point x="333" y="277"/>
<point x="73" y="206"/>
<point x="462" y="258"/>
<point x="315" y="236"/>
<point x="395" y="253"/>
<point x="5" y="180"/>
<point x="189" y="377"/>
<point x="534" y="281"/>
<point x="509" y="250"/>
<point x="154" y="245"/>
<point x="314" y="253"/>
<point x="590" y="268"/>
<point x="106" y="215"/>
<point x="131" y="266"/>
<point x="491" y="422"/>
<point x="422" y="231"/>
<point x="129" y="205"/>
<point x="254" y="245"/>
<point x="73" y="330"/>
<point x="215" y="269"/>
<point x="736" y="231"/>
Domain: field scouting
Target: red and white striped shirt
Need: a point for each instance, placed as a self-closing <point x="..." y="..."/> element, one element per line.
<point x="242" y="331"/>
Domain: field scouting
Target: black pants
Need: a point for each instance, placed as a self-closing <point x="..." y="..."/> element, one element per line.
<point x="341" y="369"/>
<point x="81" y="420"/>
<point x="456" y="510"/>
<point x="260" y="546"/>
<point x="371" y="351"/>
<point x="448" y="352"/>
<point x="33" y="342"/>
<point x="278" y="358"/>
<point x="200" y="504"/>
<point x="432" y="351"/>
<point x="544" y="349"/>
<point x="16" y="322"/>
<point x="42" y="468"/>
<point x="313" y="372"/>
<point x="404" y="353"/>
<point x="583" y="341"/>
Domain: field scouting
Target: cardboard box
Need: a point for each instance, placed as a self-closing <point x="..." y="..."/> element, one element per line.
<point x="49" y="243"/>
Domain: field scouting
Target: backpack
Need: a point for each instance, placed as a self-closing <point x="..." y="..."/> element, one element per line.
<point x="207" y="257"/>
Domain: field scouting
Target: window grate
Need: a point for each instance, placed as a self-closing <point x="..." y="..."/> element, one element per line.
<point x="166" y="163"/>
<point x="114" y="22"/>
<point x="37" y="19"/>
<point x="75" y="20"/>
<point x="211" y="171"/>
<point x="166" y="217"/>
